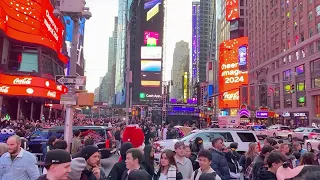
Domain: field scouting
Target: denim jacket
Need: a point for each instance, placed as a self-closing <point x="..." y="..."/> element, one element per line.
<point x="23" y="167"/>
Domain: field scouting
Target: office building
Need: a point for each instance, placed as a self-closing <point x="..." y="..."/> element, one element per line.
<point x="180" y="66"/>
<point x="284" y="51"/>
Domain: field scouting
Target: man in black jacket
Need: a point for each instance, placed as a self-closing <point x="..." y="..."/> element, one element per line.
<point x="258" y="162"/>
<point x="120" y="167"/>
<point x="219" y="162"/>
<point x="274" y="160"/>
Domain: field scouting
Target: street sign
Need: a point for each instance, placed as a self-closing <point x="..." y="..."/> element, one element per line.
<point x="71" y="80"/>
<point x="68" y="99"/>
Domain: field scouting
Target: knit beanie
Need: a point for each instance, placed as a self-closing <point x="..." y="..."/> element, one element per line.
<point x="88" y="151"/>
<point x="77" y="166"/>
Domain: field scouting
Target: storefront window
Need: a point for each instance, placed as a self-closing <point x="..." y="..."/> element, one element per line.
<point x="301" y="86"/>
<point x="300" y="69"/>
<point x="287" y="102"/>
<point x="315" y="82"/>
<point x="23" y="61"/>
<point x="301" y="101"/>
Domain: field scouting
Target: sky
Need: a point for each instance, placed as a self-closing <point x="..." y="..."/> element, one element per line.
<point x="98" y="29"/>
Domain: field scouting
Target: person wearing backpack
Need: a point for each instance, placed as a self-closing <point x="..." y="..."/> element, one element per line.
<point x="204" y="158"/>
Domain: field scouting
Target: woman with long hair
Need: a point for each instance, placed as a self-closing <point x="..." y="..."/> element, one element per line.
<point x="248" y="158"/>
<point x="168" y="169"/>
<point x="308" y="159"/>
<point x="149" y="159"/>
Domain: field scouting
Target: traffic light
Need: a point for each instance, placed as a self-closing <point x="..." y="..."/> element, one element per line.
<point x="292" y="88"/>
<point x="209" y="103"/>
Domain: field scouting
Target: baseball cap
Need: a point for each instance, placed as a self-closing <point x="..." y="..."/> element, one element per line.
<point x="56" y="156"/>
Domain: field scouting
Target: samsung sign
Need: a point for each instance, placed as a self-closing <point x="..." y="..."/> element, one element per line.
<point x="149" y="52"/>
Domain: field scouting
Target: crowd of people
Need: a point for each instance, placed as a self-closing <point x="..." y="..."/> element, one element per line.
<point x="276" y="160"/>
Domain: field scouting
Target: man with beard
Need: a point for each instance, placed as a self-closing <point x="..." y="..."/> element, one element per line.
<point x="18" y="163"/>
<point x="57" y="162"/>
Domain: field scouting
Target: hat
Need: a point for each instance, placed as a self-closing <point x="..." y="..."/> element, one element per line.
<point x="56" y="156"/>
<point x="77" y="166"/>
<point x="88" y="151"/>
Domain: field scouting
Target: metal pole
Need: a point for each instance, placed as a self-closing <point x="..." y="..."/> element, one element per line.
<point x="73" y="65"/>
<point x="127" y="86"/>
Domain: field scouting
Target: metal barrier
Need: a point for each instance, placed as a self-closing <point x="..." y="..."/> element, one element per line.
<point x="39" y="159"/>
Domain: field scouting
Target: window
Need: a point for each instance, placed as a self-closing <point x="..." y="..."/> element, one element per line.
<point x="288" y="102"/>
<point x="241" y="12"/>
<point x="246" y="137"/>
<point x="310" y="32"/>
<point x="315" y="65"/>
<point x="297" y="55"/>
<point x="276" y="92"/>
<point x="276" y="104"/>
<point x="286" y="74"/>
<point x="300" y="69"/>
<point x="226" y="136"/>
<point x="301" y="86"/>
<point x="315" y="82"/>
<point x="22" y="61"/>
<point x="301" y="101"/>
<point x="300" y="6"/>
<point x="318" y="45"/>
<point x="205" y="136"/>
<point x="311" y="49"/>
<point x="303" y="53"/>
<point x="288" y="14"/>
<point x="295" y="25"/>
<point x="318" y="10"/>
<point x="299" y="130"/>
<point x="302" y="37"/>
<point x="310" y="16"/>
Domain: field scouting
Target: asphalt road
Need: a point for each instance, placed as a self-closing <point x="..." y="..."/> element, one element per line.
<point x="108" y="163"/>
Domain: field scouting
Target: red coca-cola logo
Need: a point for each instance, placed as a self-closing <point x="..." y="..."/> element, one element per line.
<point x="22" y="81"/>
<point x="231" y="96"/>
<point x="4" y="89"/>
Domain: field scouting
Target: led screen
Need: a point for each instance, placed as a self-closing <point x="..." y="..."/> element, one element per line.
<point x="232" y="9"/>
<point x="242" y="53"/>
<point x="150" y="4"/>
<point x="150" y="66"/>
<point x="151" y="76"/>
<point x="151" y="52"/>
<point x="151" y="38"/>
<point x="150" y="83"/>
<point x="152" y="12"/>
<point x="231" y="77"/>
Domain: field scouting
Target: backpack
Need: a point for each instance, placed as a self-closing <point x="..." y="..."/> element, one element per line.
<point x="196" y="173"/>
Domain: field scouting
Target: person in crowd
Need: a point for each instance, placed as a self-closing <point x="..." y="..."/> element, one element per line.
<point x="273" y="161"/>
<point x="233" y="163"/>
<point x="117" y="137"/>
<point x="205" y="159"/>
<point x="133" y="161"/>
<point x="285" y="150"/>
<point x="168" y="168"/>
<point x="197" y="145"/>
<point x="184" y="164"/>
<point x="60" y="144"/>
<point x="138" y="175"/>
<point x="253" y="152"/>
<point x="164" y="132"/>
<point x="192" y="156"/>
<point x="298" y="147"/>
<point x="18" y="158"/>
<point x="219" y="162"/>
<point x="77" y="167"/>
<point x="148" y="161"/>
<point x="93" y="171"/>
<point x="308" y="159"/>
<point x="317" y="158"/>
<point x="258" y="162"/>
<point x="270" y="141"/>
<point x="3" y="148"/>
<point x="120" y="167"/>
<point x="312" y="176"/>
<point x="233" y="150"/>
<point x="88" y="142"/>
<point x="57" y="162"/>
<point x="297" y="156"/>
<point x="49" y="146"/>
<point x="76" y="142"/>
<point x="208" y="176"/>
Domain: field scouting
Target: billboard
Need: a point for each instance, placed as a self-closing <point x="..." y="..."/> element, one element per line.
<point x="150" y="4"/>
<point x="151" y="38"/>
<point x="185" y="87"/>
<point x="33" y="23"/>
<point x="148" y="52"/>
<point x="232" y="71"/>
<point x="153" y="11"/>
<point x="150" y="66"/>
<point x="232" y="10"/>
<point x="150" y="83"/>
<point x="195" y="40"/>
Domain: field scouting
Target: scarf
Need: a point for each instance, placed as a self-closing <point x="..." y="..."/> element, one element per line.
<point x="172" y="173"/>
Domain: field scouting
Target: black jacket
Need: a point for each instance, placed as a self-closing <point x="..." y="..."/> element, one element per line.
<point x="264" y="174"/>
<point x="193" y="159"/>
<point x="125" y="174"/>
<point x="258" y="164"/>
<point x="43" y="177"/>
<point x="220" y="165"/>
<point x="91" y="176"/>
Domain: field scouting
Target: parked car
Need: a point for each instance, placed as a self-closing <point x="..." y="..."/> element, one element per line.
<point x="100" y="135"/>
<point x="241" y="136"/>
<point x="304" y="133"/>
<point x="260" y="130"/>
<point x="278" y="131"/>
<point x="312" y="144"/>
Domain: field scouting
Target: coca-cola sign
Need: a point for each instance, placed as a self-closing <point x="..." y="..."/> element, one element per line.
<point x="4" y="89"/>
<point x="22" y="81"/>
<point x="52" y="94"/>
<point x="231" y="96"/>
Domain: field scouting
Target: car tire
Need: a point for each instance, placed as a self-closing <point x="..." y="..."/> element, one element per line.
<point x="274" y="135"/>
<point x="309" y="147"/>
<point x="290" y="138"/>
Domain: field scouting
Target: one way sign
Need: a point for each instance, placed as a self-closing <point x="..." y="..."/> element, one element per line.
<point x="71" y="80"/>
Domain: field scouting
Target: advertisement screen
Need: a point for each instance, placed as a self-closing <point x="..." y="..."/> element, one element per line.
<point x="150" y="93"/>
<point x="150" y="66"/>
<point x="153" y="11"/>
<point x="232" y="9"/>
<point x="150" y="4"/>
<point x="151" y="38"/>
<point x="148" y="52"/>
<point x="231" y="71"/>
<point x="33" y="23"/>
<point x="151" y="76"/>
<point x="150" y="83"/>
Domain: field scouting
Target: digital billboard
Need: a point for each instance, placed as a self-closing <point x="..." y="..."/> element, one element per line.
<point x="195" y="40"/>
<point x="151" y="75"/>
<point x="232" y="71"/>
<point x="151" y="3"/>
<point x="33" y="22"/>
<point x="153" y="11"/>
<point x="149" y="52"/>
<point x="232" y="9"/>
<point x="150" y="66"/>
<point x="151" y="38"/>
<point x="150" y="83"/>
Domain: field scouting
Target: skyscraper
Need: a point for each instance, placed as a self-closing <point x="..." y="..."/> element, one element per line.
<point x="180" y="66"/>
<point x="284" y="46"/>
